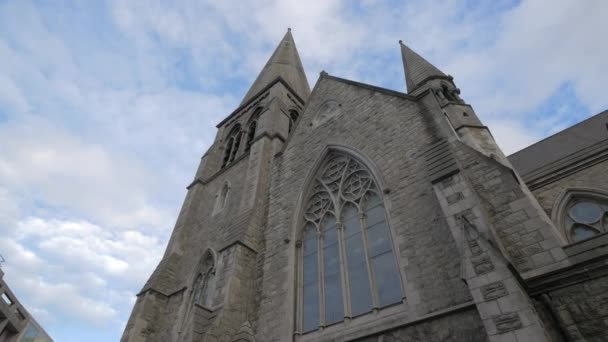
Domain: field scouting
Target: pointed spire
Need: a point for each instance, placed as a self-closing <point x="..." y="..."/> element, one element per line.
<point x="417" y="69"/>
<point x="284" y="62"/>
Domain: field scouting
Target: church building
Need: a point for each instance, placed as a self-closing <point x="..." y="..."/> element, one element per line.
<point x="357" y="213"/>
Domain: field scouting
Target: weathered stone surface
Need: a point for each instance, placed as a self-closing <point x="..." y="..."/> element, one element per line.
<point x="493" y="291"/>
<point x="464" y="326"/>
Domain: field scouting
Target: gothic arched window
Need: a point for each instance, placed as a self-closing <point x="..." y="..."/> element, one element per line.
<point x="253" y="125"/>
<point x="348" y="265"/>
<point x="204" y="284"/>
<point x="232" y="146"/>
<point x="581" y="213"/>
<point x="293" y="118"/>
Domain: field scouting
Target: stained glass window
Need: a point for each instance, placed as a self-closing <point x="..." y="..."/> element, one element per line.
<point x="347" y="258"/>
<point x="585" y="218"/>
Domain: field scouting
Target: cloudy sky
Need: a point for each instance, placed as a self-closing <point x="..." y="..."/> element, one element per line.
<point x="106" y="108"/>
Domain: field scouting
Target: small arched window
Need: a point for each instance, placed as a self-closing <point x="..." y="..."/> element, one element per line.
<point x="251" y="134"/>
<point x="227" y="152"/>
<point x="293" y="118"/>
<point x="253" y="125"/>
<point x="232" y="145"/>
<point x="235" y="147"/>
<point x="347" y="251"/>
<point x="582" y="214"/>
<point x="204" y="285"/>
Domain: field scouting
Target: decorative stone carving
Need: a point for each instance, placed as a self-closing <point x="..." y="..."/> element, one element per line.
<point x="493" y="291"/>
<point x="328" y="110"/>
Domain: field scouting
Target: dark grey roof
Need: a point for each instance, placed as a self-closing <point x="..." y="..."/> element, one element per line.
<point x="562" y="144"/>
<point x="417" y="69"/>
<point x="285" y="63"/>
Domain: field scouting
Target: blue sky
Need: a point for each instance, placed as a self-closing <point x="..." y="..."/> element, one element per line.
<point x="106" y="108"/>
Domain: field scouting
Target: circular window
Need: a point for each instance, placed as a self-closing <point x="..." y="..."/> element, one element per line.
<point x="586" y="218"/>
<point x="586" y="212"/>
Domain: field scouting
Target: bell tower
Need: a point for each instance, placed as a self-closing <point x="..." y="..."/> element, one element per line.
<point x="204" y="288"/>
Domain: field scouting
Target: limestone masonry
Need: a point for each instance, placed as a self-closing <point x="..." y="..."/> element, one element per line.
<point x="357" y="213"/>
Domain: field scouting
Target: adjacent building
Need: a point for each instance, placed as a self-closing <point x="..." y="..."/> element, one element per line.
<point x="16" y="323"/>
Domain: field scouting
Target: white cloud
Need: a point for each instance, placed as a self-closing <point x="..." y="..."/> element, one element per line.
<point x="76" y="268"/>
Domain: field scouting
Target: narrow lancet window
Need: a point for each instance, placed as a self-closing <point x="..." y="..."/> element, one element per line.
<point x="310" y="315"/>
<point x="235" y="148"/>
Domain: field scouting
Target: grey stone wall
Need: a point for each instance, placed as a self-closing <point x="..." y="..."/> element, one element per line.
<point x="392" y="131"/>
<point x="457" y="327"/>
<point x="582" y="310"/>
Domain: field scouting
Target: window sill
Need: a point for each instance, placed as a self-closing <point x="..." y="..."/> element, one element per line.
<point x="375" y="315"/>
<point x="587" y="249"/>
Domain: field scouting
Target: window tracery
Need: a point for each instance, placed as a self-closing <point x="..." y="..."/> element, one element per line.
<point x="582" y="214"/>
<point x="586" y="218"/>
<point x="348" y="266"/>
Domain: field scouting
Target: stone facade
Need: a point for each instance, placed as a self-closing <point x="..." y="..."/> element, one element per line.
<point x="478" y="248"/>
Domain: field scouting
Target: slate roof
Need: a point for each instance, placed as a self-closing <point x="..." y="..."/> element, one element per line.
<point x="585" y="135"/>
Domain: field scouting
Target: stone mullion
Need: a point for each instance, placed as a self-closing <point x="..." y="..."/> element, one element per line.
<point x="300" y="287"/>
<point x="343" y="269"/>
<point x="370" y="274"/>
<point x="243" y="142"/>
<point x="320" y="240"/>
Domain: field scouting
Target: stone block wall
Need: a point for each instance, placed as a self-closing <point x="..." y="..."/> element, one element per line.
<point x="582" y="310"/>
<point x="391" y="131"/>
<point x="525" y="233"/>
<point x="456" y="327"/>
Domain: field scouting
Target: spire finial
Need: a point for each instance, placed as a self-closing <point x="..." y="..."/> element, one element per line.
<point x="400" y="41"/>
<point x="285" y="64"/>
<point x="417" y="69"/>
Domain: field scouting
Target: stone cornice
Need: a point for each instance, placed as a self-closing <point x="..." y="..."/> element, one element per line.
<point x="152" y="289"/>
<point x="236" y="161"/>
